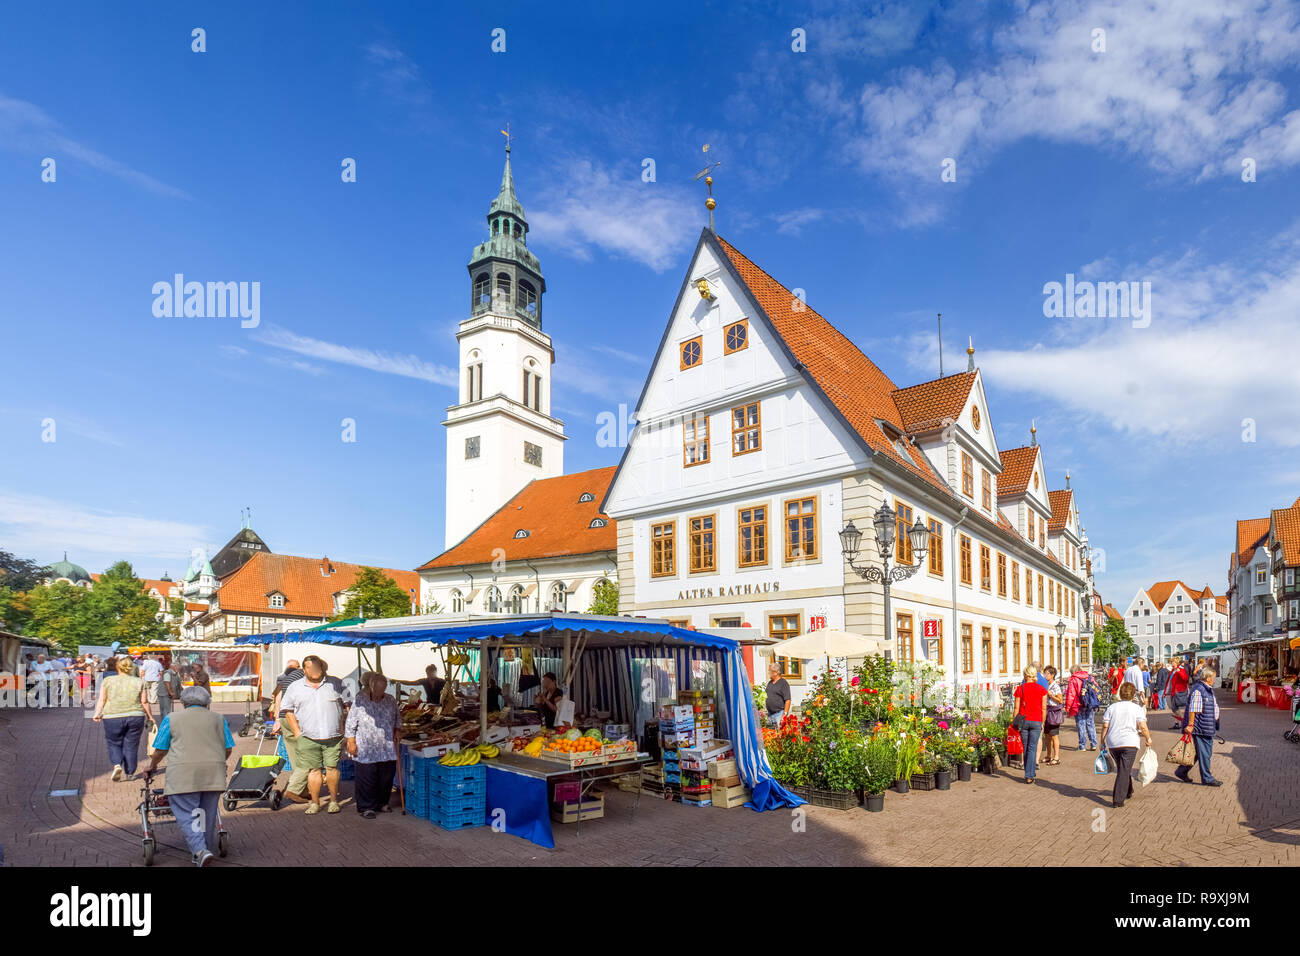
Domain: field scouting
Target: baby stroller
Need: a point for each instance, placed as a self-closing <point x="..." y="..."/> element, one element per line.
<point x="1293" y="734"/>
<point x="254" y="780"/>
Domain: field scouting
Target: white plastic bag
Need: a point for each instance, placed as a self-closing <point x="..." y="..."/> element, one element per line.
<point x="1102" y="763"/>
<point x="1148" y="763"/>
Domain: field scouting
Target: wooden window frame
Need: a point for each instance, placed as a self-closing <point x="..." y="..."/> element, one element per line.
<point x="1002" y="575"/>
<point x="967" y="649"/>
<point x="696" y="441"/>
<point x="903" y="518"/>
<point x="986" y="568"/>
<point x="986" y="490"/>
<point x="727" y="349"/>
<point x="1042" y="649"/>
<point x="986" y="649"/>
<point x="967" y="476"/>
<point x="746" y="428"/>
<point x="1032" y="526"/>
<point x="934" y="556"/>
<point x="793" y="668"/>
<point x="966" y="560"/>
<point x="1041" y="605"/>
<point x="1015" y="651"/>
<point x="1029" y="587"/>
<point x="712" y="567"/>
<point x="1015" y="580"/>
<point x="1002" y="650"/>
<point x="670" y="549"/>
<point x="681" y="353"/>
<point x="764" y="524"/>
<point x="816" y="528"/>
<point x="910" y="631"/>
<point x="938" y="641"/>
<point x="1051" y="597"/>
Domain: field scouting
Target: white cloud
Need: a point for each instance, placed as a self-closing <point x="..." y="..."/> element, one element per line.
<point x="44" y="528"/>
<point x="410" y="366"/>
<point x="1208" y="360"/>
<point x="295" y="364"/>
<point x="620" y="354"/>
<point x="792" y="223"/>
<point x="26" y="127"/>
<point x="589" y="208"/>
<point x="397" y="75"/>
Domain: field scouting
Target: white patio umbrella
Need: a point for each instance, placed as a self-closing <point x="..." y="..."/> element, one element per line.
<point x="828" y="643"/>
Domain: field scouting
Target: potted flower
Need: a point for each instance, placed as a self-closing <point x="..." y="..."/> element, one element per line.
<point x="879" y="766"/>
<point x="909" y="760"/>
<point x="944" y="762"/>
<point x="964" y="757"/>
<point x="926" y="767"/>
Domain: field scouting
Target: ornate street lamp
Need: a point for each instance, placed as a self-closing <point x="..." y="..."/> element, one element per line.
<point x="884" y="522"/>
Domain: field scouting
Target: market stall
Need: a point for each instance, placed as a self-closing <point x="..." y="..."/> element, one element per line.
<point x="610" y="669"/>
<point x="234" y="673"/>
<point x="1266" y="670"/>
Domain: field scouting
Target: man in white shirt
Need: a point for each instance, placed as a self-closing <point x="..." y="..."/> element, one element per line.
<point x="1134" y="676"/>
<point x="316" y="709"/>
<point x="151" y="672"/>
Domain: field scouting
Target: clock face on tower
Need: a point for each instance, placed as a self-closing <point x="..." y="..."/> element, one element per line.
<point x="471" y="447"/>
<point x="533" y="454"/>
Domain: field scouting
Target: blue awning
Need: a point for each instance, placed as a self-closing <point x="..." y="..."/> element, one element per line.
<point x="432" y="629"/>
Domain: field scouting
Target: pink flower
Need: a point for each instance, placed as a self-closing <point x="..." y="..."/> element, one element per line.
<point x="854" y="682"/>
<point x="943" y="724"/>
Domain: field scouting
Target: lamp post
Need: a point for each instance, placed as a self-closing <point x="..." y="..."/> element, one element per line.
<point x="1060" y="641"/>
<point x="884" y="523"/>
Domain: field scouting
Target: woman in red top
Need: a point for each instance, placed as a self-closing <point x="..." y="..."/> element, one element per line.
<point x="1029" y="704"/>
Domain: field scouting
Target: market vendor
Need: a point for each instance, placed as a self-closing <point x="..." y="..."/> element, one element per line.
<point x="495" y="699"/>
<point x="778" y="695"/>
<point x="430" y="683"/>
<point x="548" y="700"/>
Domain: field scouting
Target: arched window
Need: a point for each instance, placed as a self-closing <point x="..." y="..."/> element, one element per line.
<point x="559" y="597"/>
<point x="482" y="290"/>
<point x="527" y="297"/>
<point x="1180" y="648"/>
<point x="515" y="605"/>
<point x="493" y="599"/>
<point x="457" y="601"/>
<point x="1168" y="650"/>
<point x="503" y="285"/>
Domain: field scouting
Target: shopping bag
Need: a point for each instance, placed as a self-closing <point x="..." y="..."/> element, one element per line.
<point x="1015" y="745"/>
<point x="1102" y="763"/>
<point x="1147" y="766"/>
<point x="1183" y="753"/>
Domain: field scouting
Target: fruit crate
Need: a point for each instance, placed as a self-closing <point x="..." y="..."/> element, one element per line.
<point x="444" y="775"/>
<point x="574" y="761"/>
<point x="460" y="819"/>
<point x="619" y="750"/>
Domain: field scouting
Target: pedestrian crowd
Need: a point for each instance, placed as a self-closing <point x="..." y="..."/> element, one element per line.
<point x="1125" y="701"/>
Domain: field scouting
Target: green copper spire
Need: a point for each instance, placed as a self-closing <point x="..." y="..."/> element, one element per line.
<point x="506" y="278"/>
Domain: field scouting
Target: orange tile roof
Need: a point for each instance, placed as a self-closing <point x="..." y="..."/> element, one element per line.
<point x="557" y="523"/>
<point x="163" y="587"/>
<point x="1017" y="470"/>
<point x="1161" y="591"/>
<point x="1251" y="533"/>
<point x="931" y="404"/>
<point x="860" y="391"/>
<point x="1060" y="504"/>
<point x="1286" y="528"/>
<point x="307" y="591"/>
<point x="1112" y="613"/>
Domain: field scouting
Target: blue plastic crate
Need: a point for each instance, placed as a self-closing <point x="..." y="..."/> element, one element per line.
<point x="458" y="819"/>
<point x="452" y="774"/>
<point x="455" y="803"/>
<point x="471" y="788"/>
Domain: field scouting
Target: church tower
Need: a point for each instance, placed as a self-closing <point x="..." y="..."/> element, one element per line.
<point x="500" y="435"/>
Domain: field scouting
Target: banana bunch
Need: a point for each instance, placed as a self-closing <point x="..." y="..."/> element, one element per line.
<point x="457" y="658"/>
<point x="467" y="758"/>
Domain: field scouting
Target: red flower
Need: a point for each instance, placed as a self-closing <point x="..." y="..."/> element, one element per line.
<point x="807" y="740"/>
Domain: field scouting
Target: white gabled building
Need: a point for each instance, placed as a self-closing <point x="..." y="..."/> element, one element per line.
<point x="762" y="431"/>
<point x="1171" y="617"/>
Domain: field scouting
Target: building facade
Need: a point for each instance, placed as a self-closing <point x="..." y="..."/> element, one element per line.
<point x="1251" y="584"/>
<point x="1171" y="617"/>
<point x="500" y="434"/>
<point x="761" y="431"/>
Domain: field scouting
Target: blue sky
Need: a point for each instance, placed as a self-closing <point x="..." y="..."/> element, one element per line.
<point x="1122" y="165"/>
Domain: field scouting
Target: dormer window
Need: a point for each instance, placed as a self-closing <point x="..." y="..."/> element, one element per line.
<point x="522" y="533"/>
<point x="277" y="600"/>
<point x="597" y="523"/>
<point x="585" y="497"/>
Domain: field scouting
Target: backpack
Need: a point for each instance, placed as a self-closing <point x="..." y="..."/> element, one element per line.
<point x="1088" y="699"/>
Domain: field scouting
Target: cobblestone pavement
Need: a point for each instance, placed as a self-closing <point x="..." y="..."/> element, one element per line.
<point x="1254" y="819"/>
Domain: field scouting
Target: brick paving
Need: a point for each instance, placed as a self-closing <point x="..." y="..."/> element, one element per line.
<point x="1253" y="820"/>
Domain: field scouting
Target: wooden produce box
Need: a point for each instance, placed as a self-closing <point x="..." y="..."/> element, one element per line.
<point x="723" y="769"/>
<point x="728" y="797"/>
<point x="591" y="808"/>
<point x="575" y="760"/>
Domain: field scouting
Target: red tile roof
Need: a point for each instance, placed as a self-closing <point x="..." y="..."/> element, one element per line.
<point x="860" y="391"/>
<point x="308" y="592"/>
<point x="1060" y="504"/>
<point x="1111" y="613"/>
<point x="1251" y="533"/>
<point x="1017" y="470"/>
<point x="1161" y="591"/>
<point x="931" y="404"/>
<point x="1286" y="528"/>
<point x="548" y="509"/>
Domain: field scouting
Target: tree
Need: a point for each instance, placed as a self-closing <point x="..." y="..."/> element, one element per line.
<point x="604" y="598"/>
<point x="19" y="574"/>
<point x="14" y="612"/>
<point x="59" y="614"/>
<point x="1112" y="643"/>
<point x="375" y="594"/>
<point x="120" y="610"/>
